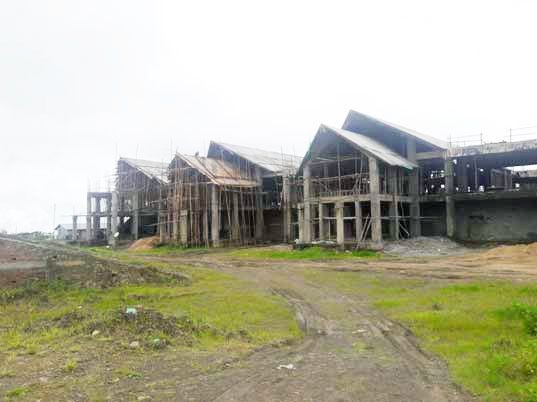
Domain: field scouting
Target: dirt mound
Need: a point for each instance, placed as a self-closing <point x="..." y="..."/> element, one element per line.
<point x="512" y="252"/>
<point x="147" y="243"/>
<point x="424" y="247"/>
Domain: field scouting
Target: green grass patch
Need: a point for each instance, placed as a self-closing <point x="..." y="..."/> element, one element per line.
<point x="158" y="250"/>
<point x="16" y="393"/>
<point x="216" y="309"/>
<point x="309" y="253"/>
<point x="486" y="331"/>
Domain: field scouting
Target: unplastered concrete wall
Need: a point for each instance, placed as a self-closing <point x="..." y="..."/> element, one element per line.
<point x="497" y="220"/>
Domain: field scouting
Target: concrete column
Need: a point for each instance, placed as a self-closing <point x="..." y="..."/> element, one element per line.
<point x="74" y="237"/>
<point x="415" y="190"/>
<point x="176" y="217"/>
<point x="183" y="227"/>
<point x="259" y="219"/>
<point x="462" y="176"/>
<point x="301" y="224"/>
<point x="374" y="189"/>
<point x="205" y="218"/>
<point x="307" y="204"/>
<point x="215" y="215"/>
<point x="109" y="218"/>
<point x="161" y="223"/>
<point x="89" y="235"/>
<point x="450" y="216"/>
<point x="394" y="205"/>
<point x="358" y="215"/>
<point x="449" y="186"/>
<point x="287" y="229"/>
<point x="97" y="217"/>
<point x="135" y="222"/>
<point x="340" y="223"/>
<point x="235" y="225"/>
<point x="450" y="202"/>
<point x="112" y="240"/>
<point x="322" y="226"/>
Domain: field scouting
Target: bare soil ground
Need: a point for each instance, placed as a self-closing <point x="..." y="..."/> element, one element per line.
<point x="350" y="351"/>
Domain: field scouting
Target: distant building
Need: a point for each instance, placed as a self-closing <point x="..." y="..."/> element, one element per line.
<point x="64" y="231"/>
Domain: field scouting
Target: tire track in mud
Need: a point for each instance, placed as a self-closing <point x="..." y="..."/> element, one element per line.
<point x="357" y="356"/>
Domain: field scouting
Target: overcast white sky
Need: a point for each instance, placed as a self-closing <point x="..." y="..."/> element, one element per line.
<point x="84" y="81"/>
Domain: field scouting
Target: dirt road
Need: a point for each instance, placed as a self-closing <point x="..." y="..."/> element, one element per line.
<point x="349" y="353"/>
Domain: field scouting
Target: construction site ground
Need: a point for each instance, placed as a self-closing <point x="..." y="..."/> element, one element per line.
<point x="356" y="344"/>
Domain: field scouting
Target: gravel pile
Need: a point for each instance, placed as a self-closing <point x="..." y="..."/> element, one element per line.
<point x="424" y="247"/>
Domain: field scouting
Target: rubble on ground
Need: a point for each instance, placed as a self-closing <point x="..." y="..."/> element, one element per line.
<point x="424" y="247"/>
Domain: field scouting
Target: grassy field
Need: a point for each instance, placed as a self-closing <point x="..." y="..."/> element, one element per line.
<point x="486" y="331"/>
<point x="49" y="327"/>
<point x="309" y="253"/>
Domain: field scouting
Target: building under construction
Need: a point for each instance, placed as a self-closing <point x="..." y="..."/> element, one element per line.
<point x="235" y="195"/>
<point x="357" y="186"/>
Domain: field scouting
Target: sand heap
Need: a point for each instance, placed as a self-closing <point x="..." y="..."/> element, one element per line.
<point x="512" y="252"/>
<point x="147" y="243"/>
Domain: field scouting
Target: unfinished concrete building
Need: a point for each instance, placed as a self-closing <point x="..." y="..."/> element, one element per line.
<point x="132" y="209"/>
<point x="372" y="181"/>
<point x="357" y="186"/>
<point x="236" y="195"/>
<point x="361" y="183"/>
<point x="140" y="186"/>
<point x="478" y="194"/>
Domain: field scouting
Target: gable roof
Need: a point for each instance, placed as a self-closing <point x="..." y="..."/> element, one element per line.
<point x="218" y="171"/>
<point x="366" y="144"/>
<point x="274" y="162"/>
<point x="153" y="170"/>
<point x="364" y="124"/>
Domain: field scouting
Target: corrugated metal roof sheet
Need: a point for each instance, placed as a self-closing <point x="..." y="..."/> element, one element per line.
<point x="364" y="124"/>
<point x="218" y="171"/>
<point x="154" y="170"/>
<point x="368" y="145"/>
<point x="274" y="162"/>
